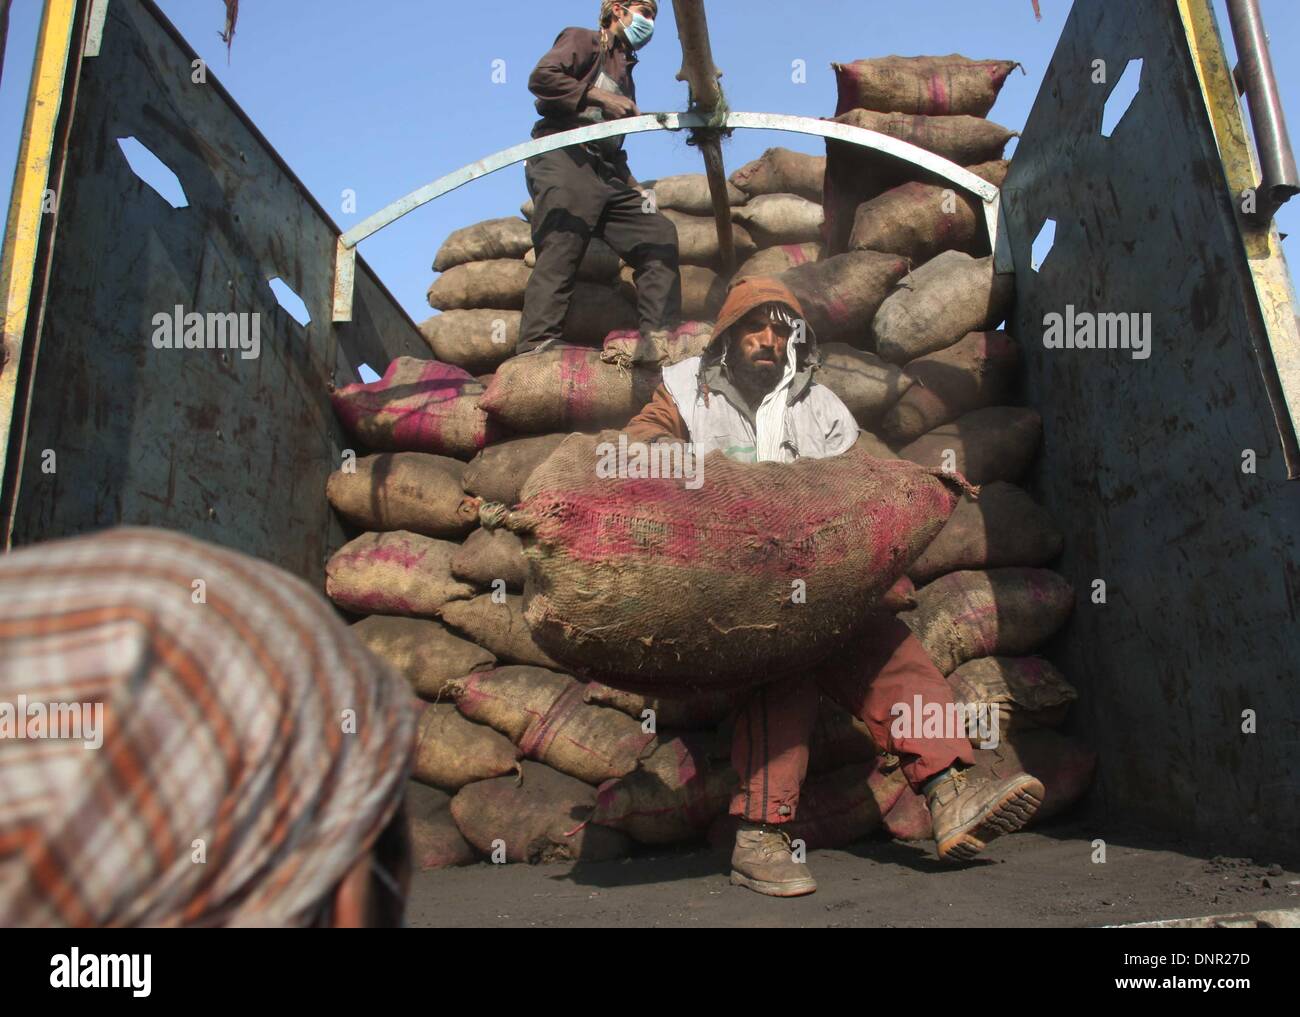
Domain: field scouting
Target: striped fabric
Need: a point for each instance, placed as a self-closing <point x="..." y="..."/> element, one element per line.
<point x="252" y="748"/>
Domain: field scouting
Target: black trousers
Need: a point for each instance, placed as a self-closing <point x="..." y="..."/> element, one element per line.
<point x="578" y="196"/>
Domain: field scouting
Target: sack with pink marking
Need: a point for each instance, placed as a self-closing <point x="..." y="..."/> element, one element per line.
<point x="418" y="406"/>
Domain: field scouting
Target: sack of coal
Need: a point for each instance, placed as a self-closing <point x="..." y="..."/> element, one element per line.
<point x="1026" y="691"/>
<point x="478" y="341"/>
<point x="855" y="174"/>
<point x="661" y="348"/>
<point x="1002" y="527"/>
<point x="977" y="371"/>
<point x="541" y="817"/>
<point x="499" y="471"/>
<point x="595" y="311"/>
<point x="921" y="220"/>
<point x="496" y="623"/>
<point x="838" y="739"/>
<point x="497" y="283"/>
<point x="545" y="714"/>
<point x="418" y="406"/>
<point x="995" y="443"/>
<point x="688" y="192"/>
<point x="412" y="491"/>
<point x="569" y="389"/>
<point x="697" y="240"/>
<point x="942" y="301"/>
<point x="704" y="710"/>
<point x="841" y="295"/>
<point x="781" y="171"/>
<point x="1062" y="763"/>
<point x="425" y="652"/>
<point x="672" y="796"/>
<point x="1008" y="612"/>
<point x="491" y="559"/>
<point x="703" y="292"/>
<point x="435" y="841"/>
<point x="451" y="751"/>
<point x="867" y="385"/>
<point x="394" y="573"/>
<point x="492" y="240"/>
<point x="773" y="219"/>
<point x="638" y="583"/>
<point x="931" y="85"/>
<point x="775" y="260"/>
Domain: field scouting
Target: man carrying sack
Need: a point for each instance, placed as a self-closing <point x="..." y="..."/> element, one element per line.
<point x="751" y="395"/>
<point x="588" y="191"/>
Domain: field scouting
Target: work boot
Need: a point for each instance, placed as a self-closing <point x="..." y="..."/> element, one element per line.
<point x="763" y="861"/>
<point x="973" y="806"/>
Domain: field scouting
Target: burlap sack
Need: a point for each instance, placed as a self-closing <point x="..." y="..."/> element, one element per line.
<point x="921" y="220"/>
<point x="451" y="752"/>
<point x="478" y="341"/>
<point x="932" y="85"/>
<point x="978" y="371"/>
<point x="776" y="260"/>
<point x="435" y="841"/>
<point x="996" y="613"/>
<point x="1026" y="691"/>
<point x="425" y="652"/>
<point x="855" y="174"/>
<point x="840" y="295"/>
<point x="497" y="283"/>
<point x="491" y="556"/>
<point x="865" y="384"/>
<point x="498" y="625"/>
<point x="1003" y="527"/>
<point x="544" y="818"/>
<point x="781" y="171"/>
<point x="645" y="579"/>
<point x="498" y="472"/>
<point x="672" y="797"/>
<point x="393" y="573"/>
<point x="774" y="219"/>
<point x="566" y="390"/>
<point x="545" y="714"/>
<point x="404" y="491"/>
<point x="659" y="349"/>
<point x="418" y="406"/>
<point x="688" y="192"/>
<point x="706" y="710"/>
<point x="942" y="301"/>
<point x="703" y="293"/>
<point x="697" y="240"/>
<point x="485" y="241"/>
<point x="995" y="443"/>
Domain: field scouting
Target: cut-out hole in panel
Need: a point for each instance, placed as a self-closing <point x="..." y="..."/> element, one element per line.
<point x="154" y="172"/>
<point x="290" y="301"/>
<point x="1043" y="244"/>
<point x="1011" y="146"/>
<point x="367" y="373"/>
<point x="1121" y="97"/>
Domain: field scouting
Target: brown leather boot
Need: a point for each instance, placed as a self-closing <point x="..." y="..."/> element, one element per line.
<point x="974" y="806"/>
<point x="763" y="861"/>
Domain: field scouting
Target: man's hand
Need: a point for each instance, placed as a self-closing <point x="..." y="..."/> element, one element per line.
<point x="615" y="106"/>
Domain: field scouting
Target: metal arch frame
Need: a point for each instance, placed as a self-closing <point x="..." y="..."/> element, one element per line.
<point x="345" y="259"/>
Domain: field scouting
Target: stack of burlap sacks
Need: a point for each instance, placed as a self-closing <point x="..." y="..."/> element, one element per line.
<point x="521" y="762"/>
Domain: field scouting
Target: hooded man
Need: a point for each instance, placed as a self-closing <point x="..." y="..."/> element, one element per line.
<point x="752" y="396"/>
<point x="588" y="191"/>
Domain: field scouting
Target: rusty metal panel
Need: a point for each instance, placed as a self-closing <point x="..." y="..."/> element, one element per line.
<point x="1146" y="462"/>
<point x="231" y="449"/>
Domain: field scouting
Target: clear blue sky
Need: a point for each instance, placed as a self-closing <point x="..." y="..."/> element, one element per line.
<point x="382" y="97"/>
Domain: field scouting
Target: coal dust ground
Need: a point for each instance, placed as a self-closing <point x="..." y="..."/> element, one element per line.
<point x="1043" y="878"/>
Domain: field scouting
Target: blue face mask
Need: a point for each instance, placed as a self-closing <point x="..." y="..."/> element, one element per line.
<point x="639" y="32"/>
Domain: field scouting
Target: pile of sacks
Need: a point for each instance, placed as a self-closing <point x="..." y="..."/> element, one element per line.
<point x="519" y="760"/>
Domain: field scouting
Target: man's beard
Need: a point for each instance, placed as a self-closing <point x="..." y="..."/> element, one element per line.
<point x="757" y="378"/>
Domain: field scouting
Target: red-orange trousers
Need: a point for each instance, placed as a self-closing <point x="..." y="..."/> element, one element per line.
<point x="888" y="665"/>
